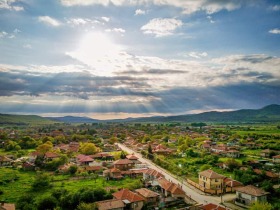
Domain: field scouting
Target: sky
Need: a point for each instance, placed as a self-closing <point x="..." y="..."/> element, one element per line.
<point x="108" y="59"/>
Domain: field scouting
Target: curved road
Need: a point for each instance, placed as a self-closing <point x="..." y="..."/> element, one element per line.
<point x="196" y="195"/>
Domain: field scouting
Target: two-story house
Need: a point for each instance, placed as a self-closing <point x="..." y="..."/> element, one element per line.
<point x="210" y="180"/>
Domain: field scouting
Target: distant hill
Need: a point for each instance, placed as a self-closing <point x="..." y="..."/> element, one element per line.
<point x="11" y="119"/>
<point x="73" y="119"/>
<point x="269" y="113"/>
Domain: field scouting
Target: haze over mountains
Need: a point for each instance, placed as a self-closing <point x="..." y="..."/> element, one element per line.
<point x="270" y="113"/>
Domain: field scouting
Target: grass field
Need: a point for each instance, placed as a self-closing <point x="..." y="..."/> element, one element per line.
<point x="14" y="184"/>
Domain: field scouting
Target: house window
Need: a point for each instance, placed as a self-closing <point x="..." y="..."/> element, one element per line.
<point x="253" y="197"/>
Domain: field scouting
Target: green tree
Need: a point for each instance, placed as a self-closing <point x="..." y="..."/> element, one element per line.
<point x="113" y="140"/>
<point x="46" y="147"/>
<point x="123" y="155"/>
<point x="27" y="143"/>
<point x="260" y="206"/>
<point x="87" y="206"/>
<point x="47" y="203"/>
<point x="89" y="148"/>
<point x="204" y="167"/>
<point x="41" y="181"/>
<point x="72" y="169"/>
<point x="232" y="164"/>
<point x="26" y="202"/>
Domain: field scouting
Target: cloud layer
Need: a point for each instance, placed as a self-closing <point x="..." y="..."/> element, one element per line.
<point x="234" y="81"/>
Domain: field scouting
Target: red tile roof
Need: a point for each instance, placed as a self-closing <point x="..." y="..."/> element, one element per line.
<point x="86" y="159"/>
<point x="267" y="173"/>
<point x="252" y="190"/>
<point x="51" y="155"/>
<point x="276" y="157"/>
<point x="132" y="157"/>
<point x="123" y="162"/>
<point x="211" y="174"/>
<point x="153" y="172"/>
<point x="170" y="187"/>
<point x="232" y="183"/>
<point x="110" y="204"/>
<point x="211" y="206"/>
<point x="126" y="194"/>
<point x="146" y="193"/>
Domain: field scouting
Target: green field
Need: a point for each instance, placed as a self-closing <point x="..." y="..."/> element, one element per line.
<point x="14" y="184"/>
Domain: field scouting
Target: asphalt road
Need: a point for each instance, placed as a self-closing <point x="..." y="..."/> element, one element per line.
<point x="194" y="194"/>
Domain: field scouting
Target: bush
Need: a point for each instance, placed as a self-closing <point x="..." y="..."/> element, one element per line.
<point x="47" y="203"/>
<point x="41" y="181"/>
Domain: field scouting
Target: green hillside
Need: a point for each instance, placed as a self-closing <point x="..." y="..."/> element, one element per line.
<point x="268" y="114"/>
<point x="11" y="119"/>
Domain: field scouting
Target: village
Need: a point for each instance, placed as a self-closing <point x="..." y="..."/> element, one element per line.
<point x="141" y="166"/>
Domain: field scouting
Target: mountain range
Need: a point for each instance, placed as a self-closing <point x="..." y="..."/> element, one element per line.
<point x="267" y="114"/>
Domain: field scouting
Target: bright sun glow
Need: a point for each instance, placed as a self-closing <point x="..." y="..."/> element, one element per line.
<point x="98" y="51"/>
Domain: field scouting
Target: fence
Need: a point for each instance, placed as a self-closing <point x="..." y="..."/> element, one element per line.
<point x="210" y="191"/>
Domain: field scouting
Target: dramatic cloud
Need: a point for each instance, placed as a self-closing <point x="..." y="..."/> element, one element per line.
<point x="152" y="72"/>
<point x="161" y="26"/>
<point x="49" y="21"/>
<point x="140" y="12"/>
<point x="275" y="31"/>
<point x="188" y="7"/>
<point x="234" y="82"/>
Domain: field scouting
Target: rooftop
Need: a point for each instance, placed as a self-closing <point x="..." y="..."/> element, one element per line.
<point x="126" y="194"/>
<point x="211" y="174"/>
<point x="110" y="204"/>
<point x="252" y="190"/>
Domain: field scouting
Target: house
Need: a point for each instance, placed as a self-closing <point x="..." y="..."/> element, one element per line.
<point x="28" y="166"/>
<point x="233" y="153"/>
<point x="102" y="156"/>
<point x="112" y="173"/>
<point x="50" y="156"/>
<point x="33" y="155"/>
<point x="151" y="174"/>
<point x="268" y="174"/>
<point x="276" y="159"/>
<point x="131" y="200"/>
<point x="84" y="159"/>
<point x="206" y="146"/>
<point x="94" y="169"/>
<point x="133" y="158"/>
<point x="151" y="197"/>
<point x="162" y="150"/>
<point x="231" y="185"/>
<point x="123" y="164"/>
<point x="5" y="161"/>
<point x="7" y="206"/>
<point x="250" y="194"/>
<point x="113" y="204"/>
<point x="221" y="148"/>
<point x="266" y="153"/>
<point x="64" y="168"/>
<point x="211" y="180"/>
<point x="171" y="189"/>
